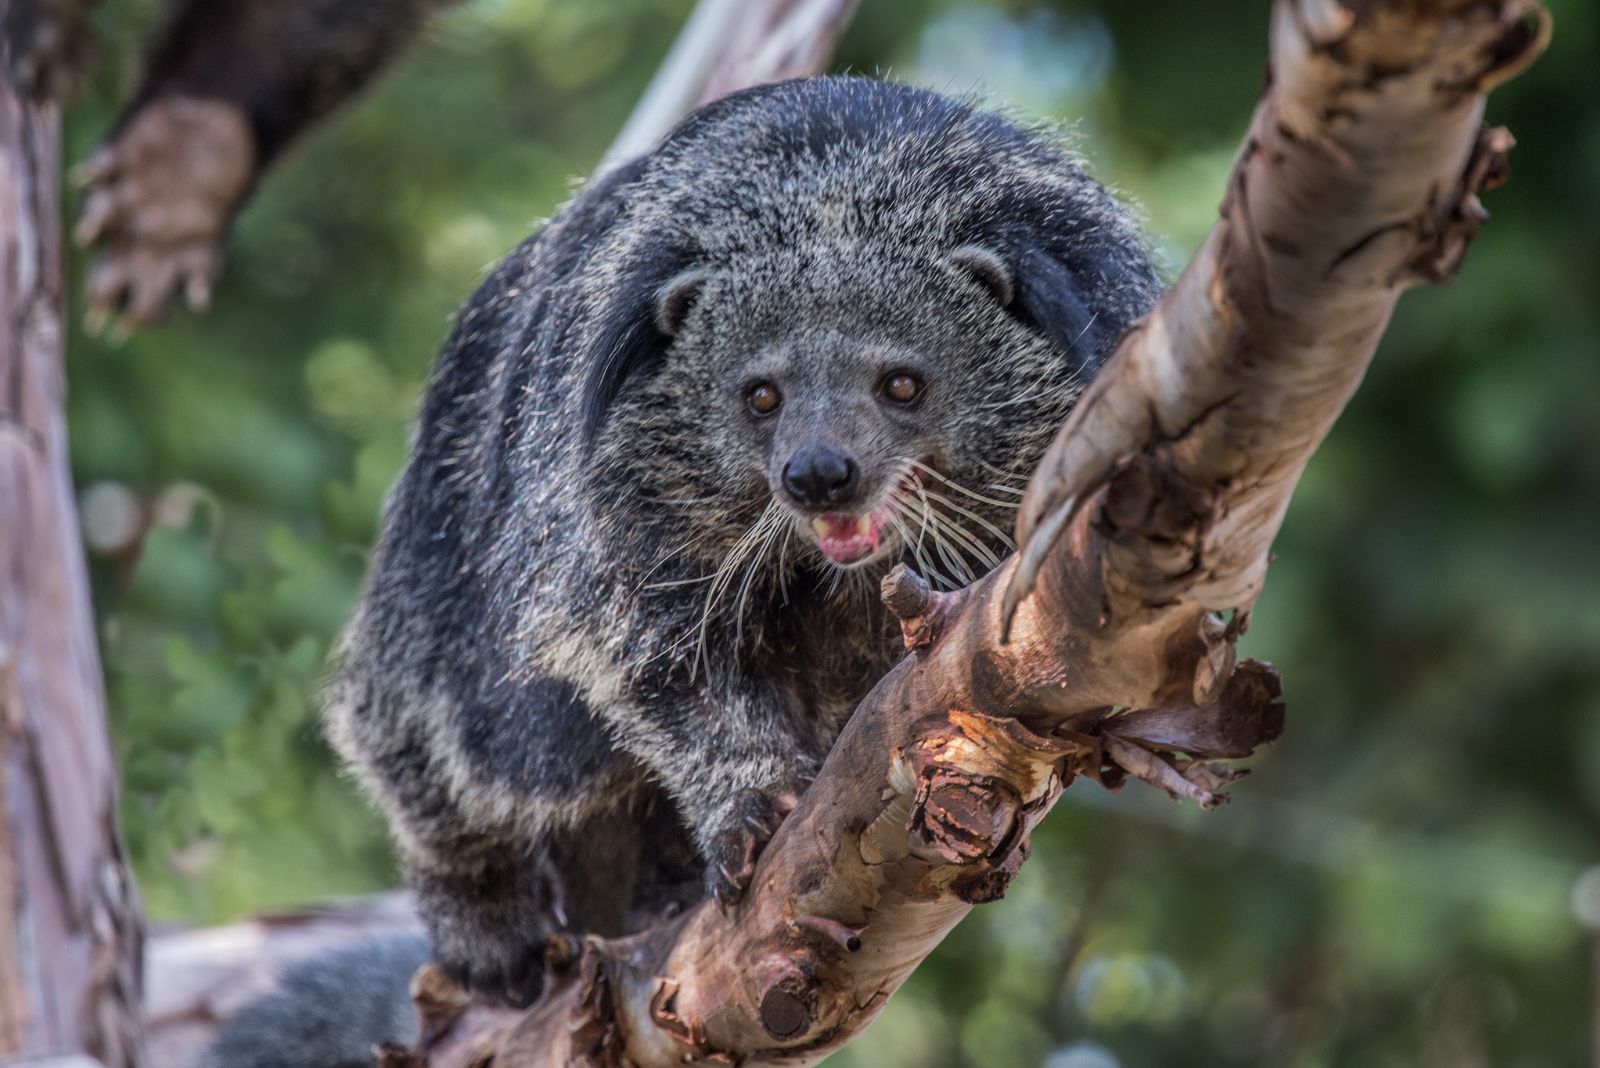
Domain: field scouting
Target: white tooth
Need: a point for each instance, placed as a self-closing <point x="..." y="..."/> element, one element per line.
<point x="820" y="527"/>
<point x="863" y="525"/>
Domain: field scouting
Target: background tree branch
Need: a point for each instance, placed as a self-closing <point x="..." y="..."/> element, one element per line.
<point x="70" y="936"/>
<point x="728" y="45"/>
<point x="1153" y="511"/>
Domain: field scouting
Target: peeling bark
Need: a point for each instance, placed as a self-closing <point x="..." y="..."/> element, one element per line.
<point x="69" y="920"/>
<point x="1098" y="650"/>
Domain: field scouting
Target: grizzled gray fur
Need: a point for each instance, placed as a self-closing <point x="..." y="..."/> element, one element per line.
<point x="625" y="595"/>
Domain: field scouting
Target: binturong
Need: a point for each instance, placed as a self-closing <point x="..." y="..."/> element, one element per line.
<point x="626" y="591"/>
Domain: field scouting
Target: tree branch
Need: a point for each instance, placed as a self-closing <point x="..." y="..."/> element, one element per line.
<point x="726" y="46"/>
<point x="70" y="929"/>
<point x="1097" y="651"/>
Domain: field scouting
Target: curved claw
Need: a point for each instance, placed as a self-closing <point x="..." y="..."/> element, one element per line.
<point x="100" y="166"/>
<point x="730" y="888"/>
<point x="752" y="820"/>
<point x="1042" y="538"/>
<point x="1030" y="558"/>
<point x="94" y="221"/>
<point x="157" y="204"/>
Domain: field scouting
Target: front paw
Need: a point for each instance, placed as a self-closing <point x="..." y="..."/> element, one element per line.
<point x="158" y="202"/>
<point x="732" y="849"/>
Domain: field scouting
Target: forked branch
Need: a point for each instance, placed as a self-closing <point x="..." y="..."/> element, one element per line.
<point x="1101" y="649"/>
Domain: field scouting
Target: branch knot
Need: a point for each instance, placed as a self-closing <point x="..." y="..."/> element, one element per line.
<point x="921" y="610"/>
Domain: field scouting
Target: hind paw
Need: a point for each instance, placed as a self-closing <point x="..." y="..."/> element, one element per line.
<point x="500" y="948"/>
<point x="510" y="972"/>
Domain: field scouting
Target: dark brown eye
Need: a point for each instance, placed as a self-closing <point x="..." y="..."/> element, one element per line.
<point x="763" y="398"/>
<point x="902" y="387"/>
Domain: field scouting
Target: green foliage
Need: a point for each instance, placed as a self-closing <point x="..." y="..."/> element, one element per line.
<point x="1390" y="888"/>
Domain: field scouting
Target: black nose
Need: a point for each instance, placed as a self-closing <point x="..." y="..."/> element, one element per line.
<point x="821" y="474"/>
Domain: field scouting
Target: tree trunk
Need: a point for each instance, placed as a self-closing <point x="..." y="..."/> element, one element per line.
<point x="1100" y="650"/>
<point x="69" y="921"/>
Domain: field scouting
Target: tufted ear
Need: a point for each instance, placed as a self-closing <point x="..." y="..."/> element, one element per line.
<point x="988" y="270"/>
<point x="675" y="299"/>
<point x="632" y="329"/>
<point x="1050" y="298"/>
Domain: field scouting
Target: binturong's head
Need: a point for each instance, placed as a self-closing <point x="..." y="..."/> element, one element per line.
<point x="883" y="398"/>
<point x="846" y="319"/>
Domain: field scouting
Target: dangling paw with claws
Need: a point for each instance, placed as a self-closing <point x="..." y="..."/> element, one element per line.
<point x="159" y="198"/>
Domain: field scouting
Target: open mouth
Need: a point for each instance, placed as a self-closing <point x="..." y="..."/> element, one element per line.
<point x="848" y="539"/>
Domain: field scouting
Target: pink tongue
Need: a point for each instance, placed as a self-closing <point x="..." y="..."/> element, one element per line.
<point x="842" y="538"/>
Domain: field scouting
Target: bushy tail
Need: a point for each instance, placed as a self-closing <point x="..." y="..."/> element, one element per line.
<point x="328" y="1011"/>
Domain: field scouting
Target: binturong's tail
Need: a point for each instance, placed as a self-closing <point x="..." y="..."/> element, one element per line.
<point x="328" y="1011"/>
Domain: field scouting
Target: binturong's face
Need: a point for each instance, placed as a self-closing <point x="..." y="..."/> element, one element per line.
<point x="861" y="409"/>
<point x="835" y="324"/>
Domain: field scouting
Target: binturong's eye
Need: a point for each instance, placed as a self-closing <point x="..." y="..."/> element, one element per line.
<point x="763" y="398"/>
<point x="902" y="387"/>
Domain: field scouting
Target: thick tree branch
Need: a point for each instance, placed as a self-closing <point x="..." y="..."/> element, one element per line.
<point x="728" y="45"/>
<point x="69" y="920"/>
<point x="1152" y="512"/>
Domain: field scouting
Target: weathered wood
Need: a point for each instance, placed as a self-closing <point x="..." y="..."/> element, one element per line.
<point x="69" y="919"/>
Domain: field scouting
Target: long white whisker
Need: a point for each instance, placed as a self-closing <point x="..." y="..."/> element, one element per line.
<point x="667" y="584"/>
<point x="974" y="516"/>
<point x="908" y="504"/>
<point x="959" y="488"/>
<point x="1002" y="473"/>
<point x="939" y="525"/>
<point x="951" y="557"/>
<point x="645" y="584"/>
<point x="924" y="566"/>
<point x="922" y="520"/>
<point x="928" y="536"/>
<point x="723" y="578"/>
<point x="686" y="501"/>
<point x="783" y="561"/>
<point x="965" y="539"/>
<point x="749" y="578"/>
